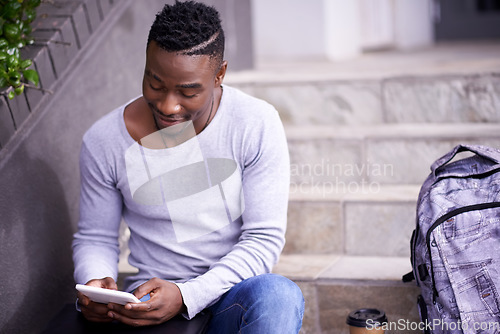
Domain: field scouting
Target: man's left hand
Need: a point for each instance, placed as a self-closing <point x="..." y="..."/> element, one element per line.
<point x="165" y="302"/>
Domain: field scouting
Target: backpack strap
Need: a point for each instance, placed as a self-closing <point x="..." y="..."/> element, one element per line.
<point x="408" y="277"/>
<point x="489" y="153"/>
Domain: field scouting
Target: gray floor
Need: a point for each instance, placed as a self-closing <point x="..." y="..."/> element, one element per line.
<point x="441" y="58"/>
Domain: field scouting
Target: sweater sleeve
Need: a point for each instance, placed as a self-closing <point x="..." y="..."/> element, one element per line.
<point x="95" y="245"/>
<point x="266" y="182"/>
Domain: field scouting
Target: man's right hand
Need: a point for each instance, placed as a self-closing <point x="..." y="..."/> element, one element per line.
<point x="92" y="311"/>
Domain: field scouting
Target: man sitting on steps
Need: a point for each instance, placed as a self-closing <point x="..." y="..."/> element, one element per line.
<point x="200" y="173"/>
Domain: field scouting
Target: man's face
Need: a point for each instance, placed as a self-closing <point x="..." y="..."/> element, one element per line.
<point x="178" y="88"/>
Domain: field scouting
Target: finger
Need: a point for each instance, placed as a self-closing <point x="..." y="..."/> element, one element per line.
<point x="133" y="310"/>
<point x="96" y="312"/>
<point x="140" y="307"/>
<point x="82" y="299"/>
<point x="109" y="283"/>
<point x="145" y="289"/>
<point x="106" y="283"/>
<point x="145" y="317"/>
<point x="151" y="304"/>
<point x="136" y="322"/>
<point x="149" y="287"/>
<point x="96" y="308"/>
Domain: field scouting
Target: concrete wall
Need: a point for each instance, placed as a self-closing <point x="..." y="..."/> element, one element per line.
<point x="39" y="174"/>
<point x="413" y="25"/>
<point x="337" y="29"/>
<point x="279" y="29"/>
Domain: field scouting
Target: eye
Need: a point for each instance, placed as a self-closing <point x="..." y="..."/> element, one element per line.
<point x="188" y="93"/>
<point x="154" y="88"/>
<point x="189" y="96"/>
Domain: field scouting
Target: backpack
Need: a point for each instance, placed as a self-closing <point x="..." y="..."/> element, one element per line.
<point x="455" y="247"/>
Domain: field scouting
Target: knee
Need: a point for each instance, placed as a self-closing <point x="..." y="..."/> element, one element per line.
<point x="277" y="291"/>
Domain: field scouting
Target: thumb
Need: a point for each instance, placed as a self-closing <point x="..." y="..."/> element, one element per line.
<point x="109" y="283"/>
<point x="147" y="288"/>
<point x="105" y="283"/>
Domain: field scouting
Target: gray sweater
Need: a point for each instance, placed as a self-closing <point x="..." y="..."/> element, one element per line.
<point x="205" y="215"/>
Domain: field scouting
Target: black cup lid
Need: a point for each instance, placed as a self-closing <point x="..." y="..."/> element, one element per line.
<point x="359" y="317"/>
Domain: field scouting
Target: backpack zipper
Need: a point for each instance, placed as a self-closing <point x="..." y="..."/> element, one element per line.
<point x="439" y="221"/>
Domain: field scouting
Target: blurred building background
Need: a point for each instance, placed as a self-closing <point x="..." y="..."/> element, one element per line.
<point x="336" y="29"/>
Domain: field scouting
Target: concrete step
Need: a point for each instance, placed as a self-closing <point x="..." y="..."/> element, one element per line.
<point x="442" y="58"/>
<point x="334" y="285"/>
<point x="445" y="83"/>
<point x="381" y="154"/>
<point x="376" y="220"/>
<point x="465" y="98"/>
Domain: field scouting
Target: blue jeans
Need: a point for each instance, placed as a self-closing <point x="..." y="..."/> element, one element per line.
<point x="262" y="304"/>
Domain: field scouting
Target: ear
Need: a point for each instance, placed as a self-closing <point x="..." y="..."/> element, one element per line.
<point x="219" y="77"/>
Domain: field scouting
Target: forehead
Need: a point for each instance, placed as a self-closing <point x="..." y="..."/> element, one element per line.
<point x="178" y="67"/>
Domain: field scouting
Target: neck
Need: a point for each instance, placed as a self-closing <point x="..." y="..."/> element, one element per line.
<point x="214" y="106"/>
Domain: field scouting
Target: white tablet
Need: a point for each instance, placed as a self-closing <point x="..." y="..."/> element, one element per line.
<point x="100" y="295"/>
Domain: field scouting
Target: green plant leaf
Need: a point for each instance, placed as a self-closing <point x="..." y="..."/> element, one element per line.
<point x="14" y="74"/>
<point x="33" y="3"/>
<point x="19" y="90"/>
<point x="14" y="77"/>
<point x="11" y="32"/>
<point x="16" y="17"/>
<point x="30" y="15"/>
<point x="3" y="82"/>
<point x="32" y="76"/>
<point x="27" y="29"/>
<point x="3" y="43"/>
<point x="13" y="61"/>
<point x="25" y="63"/>
<point x="12" y="50"/>
<point x="11" y="10"/>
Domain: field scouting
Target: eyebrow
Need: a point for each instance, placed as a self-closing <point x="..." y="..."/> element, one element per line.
<point x="151" y="74"/>
<point x="193" y="85"/>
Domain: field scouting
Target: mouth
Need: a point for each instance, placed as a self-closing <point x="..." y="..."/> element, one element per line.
<point x="163" y="121"/>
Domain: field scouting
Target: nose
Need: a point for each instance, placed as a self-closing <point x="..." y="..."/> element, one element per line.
<point x="169" y="105"/>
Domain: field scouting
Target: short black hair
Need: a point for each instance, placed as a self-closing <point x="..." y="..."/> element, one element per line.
<point x="190" y="28"/>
